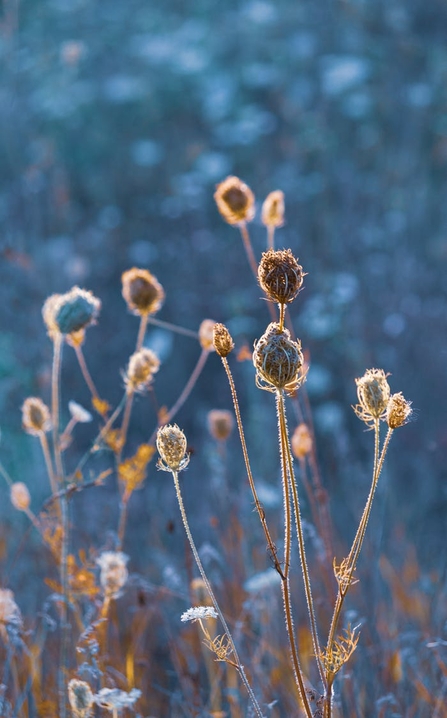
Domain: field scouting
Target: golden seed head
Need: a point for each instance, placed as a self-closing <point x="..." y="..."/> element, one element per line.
<point x="114" y="574"/>
<point x="20" y="496"/>
<point x="36" y="418"/>
<point x="222" y="340"/>
<point x="373" y="392"/>
<point x="273" y="209"/>
<point x="280" y="275"/>
<point x="80" y="697"/>
<point x="142" y="291"/>
<point x="301" y="441"/>
<point x="171" y="445"/>
<point x="206" y="330"/>
<point x="278" y="360"/>
<point x="143" y="364"/>
<point x="71" y="312"/>
<point x="398" y="411"/>
<point x="235" y="201"/>
<point x="220" y="423"/>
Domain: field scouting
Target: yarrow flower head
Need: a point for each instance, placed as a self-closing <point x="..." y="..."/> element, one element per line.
<point x="373" y="392"/>
<point x="199" y="613"/>
<point x="114" y="574"/>
<point x="278" y="360"/>
<point x="81" y="698"/>
<point x="171" y="445"/>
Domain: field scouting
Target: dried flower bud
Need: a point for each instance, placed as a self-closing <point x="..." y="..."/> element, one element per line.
<point x="70" y="312"/>
<point x="223" y="343"/>
<point x="171" y="445"/>
<point x="81" y="698"/>
<point x="114" y="573"/>
<point x="142" y="291"/>
<point x="235" y="201"/>
<point x="280" y="275"/>
<point x="301" y="441"/>
<point x="220" y="423"/>
<point x="20" y="497"/>
<point x="373" y="393"/>
<point x="143" y="364"/>
<point x="36" y="418"/>
<point x="206" y="334"/>
<point x="273" y="209"/>
<point x="398" y="411"/>
<point x="278" y="360"/>
<point x="81" y="415"/>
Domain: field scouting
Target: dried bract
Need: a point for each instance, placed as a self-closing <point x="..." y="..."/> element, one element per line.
<point x="273" y="209"/>
<point x="81" y="698"/>
<point x="373" y="393"/>
<point x="220" y="423"/>
<point x="171" y="445"/>
<point x="143" y="364"/>
<point x="235" y="201"/>
<point x="36" y="418"/>
<point x="222" y="340"/>
<point x="280" y="275"/>
<point x="142" y="291"/>
<point x="20" y="496"/>
<point x="398" y="411"/>
<point x="301" y="441"/>
<point x="278" y="360"/>
<point x="114" y="572"/>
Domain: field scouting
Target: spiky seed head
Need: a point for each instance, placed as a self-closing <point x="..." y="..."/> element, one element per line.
<point x="235" y="201"/>
<point x="36" y="418"/>
<point x="142" y="292"/>
<point x="273" y="209"/>
<point x="301" y="441"/>
<point x="398" y="411"/>
<point x="280" y="275"/>
<point x="71" y="312"/>
<point x="373" y="392"/>
<point x="220" y="423"/>
<point x="20" y="496"/>
<point x="222" y="340"/>
<point x="114" y="574"/>
<point x="143" y="364"/>
<point x="80" y="697"/>
<point x="278" y="360"/>
<point x="206" y="334"/>
<point x="172" y="445"/>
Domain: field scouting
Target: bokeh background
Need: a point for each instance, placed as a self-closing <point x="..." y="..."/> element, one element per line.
<point x="117" y="121"/>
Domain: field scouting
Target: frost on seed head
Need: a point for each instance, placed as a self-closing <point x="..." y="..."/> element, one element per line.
<point x="171" y="445"/>
<point x="197" y="613"/>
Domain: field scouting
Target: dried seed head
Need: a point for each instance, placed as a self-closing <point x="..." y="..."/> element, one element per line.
<point x="114" y="573"/>
<point x="280" y="275"/>
<point x="235" y="201"/>
<point x="48" y="314"/>
<point x="301" y="441"/>
<point x="206" y="334"/>
<point x="36" y="418"/>
<point x="142" y="292"/>
<point x="171" y="445"/>
<point x="223" y="343"/>
<point x="71" y="312"/>
<point x="278" y="360"/>
<point x="78" y="412"/>
<point x="20" y="497"/>
<point x="373" y="392"/>
<point x="220" y="424"/>
<point x="143" y="364"/>
<point x="273" y="209"/>
<point x="398" y="411"/>
<point x="81" y="698"/>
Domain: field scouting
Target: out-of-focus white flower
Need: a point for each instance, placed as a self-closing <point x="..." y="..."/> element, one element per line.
<point x="114" y="573"/>
<point x="79" y="413"/>
<point x="114" y="700"/>
<point x="197" y="613"/>
<point x="9" y="611"/>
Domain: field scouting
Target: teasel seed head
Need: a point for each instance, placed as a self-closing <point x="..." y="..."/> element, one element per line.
<point x="220" y="423"/>
<point x="143" y="364"/>
<point x="71" y="312"/>
<point x="280" y="275"/>
<point x="206" y="330"/>
<point x="278" y="360"/>
<point x="142" y="291"/>
<point x="301" y="441"/>
<point x="80" y="697"/>
<point x="235" y="201"/>
<point x="114" y="574"/>
<point x="172" y="445"/>
<point x="20" y="496"/>
<point x="36" y="417"/>
<point x="373" y="392"/>
<point x="398" y="411"/>
<point x="273" y="209"/>
<point x="222" y="340"/>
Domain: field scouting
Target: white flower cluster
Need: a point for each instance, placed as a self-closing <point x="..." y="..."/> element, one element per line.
<point x="113" y="699"/>
<point x="199" y="612"/>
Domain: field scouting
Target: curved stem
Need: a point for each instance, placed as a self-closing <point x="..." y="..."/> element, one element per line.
<point x="85" y="372"/>
<point x="55" y="381"/>
<point x="141" y="331"/>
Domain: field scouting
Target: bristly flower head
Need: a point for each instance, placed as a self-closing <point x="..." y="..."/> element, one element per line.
<point x="220" y="423"/>
<point x="398" y="411"/>
<point x="142" y="292"/>
<point x="71" y="312"/>
<point x="20" y="496"/>
<point x="278" y="360"/>
<point x="143" y="364"/>
<point x="172" y="445"/>
<point x="206" y="330"/>
<point x="273" y="209"/>
<point x="199" y="613"/>
<point x="222" y="340"/>
<point x="81" y="698"/>
<point x="114" y="574"/>
<point x="373" y="392"/>
<point x="235" y="201"/>
<point x="36" y="418"/>
<point x="280" y="275"/>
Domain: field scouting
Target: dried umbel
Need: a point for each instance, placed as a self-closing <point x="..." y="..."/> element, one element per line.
<point x="143" y="364"/>
<point x="71" y="312"/>
<point x="36" y="418"/>
<point x="142" y="292"/>
<point x="206" y="330"/>
<point x="398" y="411"/>
<point x="280" y="275"/>
<point x="373" y="392"/>
<point x="273" y="209"/>
<point x="113" y="576"/>
<point x="222" y="340"/>
<point x="278" y="360"/>
<point x="235" y="201"/>
<point x="220" y="423"/>
<point x="172" y="445"/>
<point x="20" y="496"/>
<point x="81" y="698"/>
<point x="301" y="441"/>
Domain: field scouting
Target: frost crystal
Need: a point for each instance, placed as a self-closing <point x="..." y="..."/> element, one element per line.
<point x="198" y="612"/>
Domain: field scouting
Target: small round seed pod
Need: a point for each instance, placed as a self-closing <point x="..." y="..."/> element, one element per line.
<point x="272" y="214"/>
<point x="20" y="496"/>
<point x="114" y="572"/>
<point x="171" y="445"/>
<point x="80" y="697"/>
<point x="301" y="441"/>
<point x="206" y="334"/>
<point x="71" y="312"/>
<point x="222" y="340"/>
<point x="142" y="291"/>
<point x="278" y="360"/>
<point x="373" y="392"/>
<point x="220" y="423"/>
<point x="143" y="364"/>
<point x="280" y="275"/>
<point x="235" y="201"/>
<point x="398" y="411"/>
<point x="36" y="418"/>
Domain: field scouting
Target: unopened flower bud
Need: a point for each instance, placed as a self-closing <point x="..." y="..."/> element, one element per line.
<point x="206" y="334"/>
<point x="398" y="411"/>
<point x="36" y="418"/>
<point x="301" y="441"/>
<point x="235" y="201"/>
<point x="143" y="364"/>
<point x="172" y="445"/>
<point x="220" y="423"/>
<point x="20" y="496"/>
<point x="81" y="698"/>
<point x="278" y="360"/>
<point x="273" y="209"/>
<point x="142" y="291"/>
<point x="223" y="343"/>
<point x="280" y="275"/>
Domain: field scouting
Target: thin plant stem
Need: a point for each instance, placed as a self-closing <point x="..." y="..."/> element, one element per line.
<point x="85" y="372"/>
<point x="271" y="237"/>
<point x="173" y="328"/>
<point x="125" y="422"/>
<point x="237" y="662"/>
<point x="123" y="517"/>
<point x="249" y="249"/>
<point x="55" y="392"/>
<point x="282" y="308"/>
<point x="5" y="475"/>
<point x="48" y="462"/>
<point x="141" y="331"/>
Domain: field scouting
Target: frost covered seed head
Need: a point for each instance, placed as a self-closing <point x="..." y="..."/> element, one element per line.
<point x="20" y="497"/>
<point x="81" y="698"/>
<point x="143" y="364"/>
<point x="373" y="392"/>
<point x="199" y="613"/>
<point x="36" y="418"/>
<point x="301" y="441"/>
<point x="273" y="209"/>
<point x="280" y="275"/>
<point x="223" y="343"/>
<point x="171" y="445"/>
<point x="235" y="201"/>
<point x="142" y="291"/>
<point x="278" y="360"/>
<point x="220" y="423"/>
<point x="70" y="312"/>
<point x="398" y="411"/>
<point x="114" y="572"/>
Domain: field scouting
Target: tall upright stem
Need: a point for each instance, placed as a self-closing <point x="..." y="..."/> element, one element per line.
<point x="141" y="331"/>
<point x="85" y="372"/>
